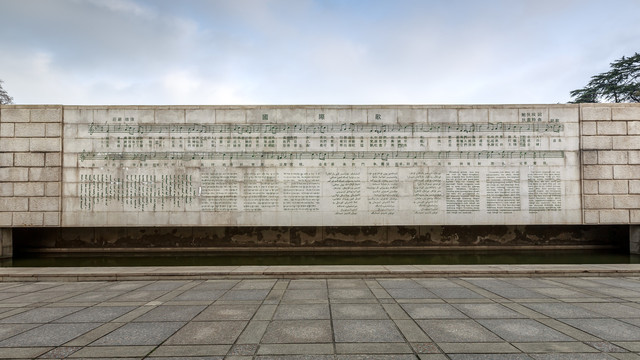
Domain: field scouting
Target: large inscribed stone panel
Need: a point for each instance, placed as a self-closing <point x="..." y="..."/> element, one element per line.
<point x="321" y="166"/>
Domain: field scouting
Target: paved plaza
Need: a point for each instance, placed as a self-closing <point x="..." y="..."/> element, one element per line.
<point x="324" y="318"/>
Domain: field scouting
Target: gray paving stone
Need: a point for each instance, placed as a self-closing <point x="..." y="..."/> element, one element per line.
<point x="433" y="311"/>
<point x="358" y="311"/>
<point x="454" y="293"/>
<point x="265" y="312"/>
<point x="114" y="352"/>
<point x="350" y="294"/>
<point x="307" y="284"/>
<point x="517" y="293"/>
<point x="411" y="331"/>
<point x="523" y="330"/>
<point x="48" y="335"/>
<point x="457" y="331"/>
<point x="629" y="345"/>
<point x="200" y="295"/>
<point x="10" y="311"/>
<point x="245" y="295"/>
<point x="298" y="331"/>
<point x="191" y="358"/>
<point x="399" y="284"/>
<point x="615" y="310"/>
<point x="7" y="296"/>
<point x="436" y="283"/>
<point x="574" y="356"/>
<point x="306" y="294"/>
<point x="351" y="331"/>
<point x="166" y="285"/>
<point x="373" y="348"/>
<point x="568" y="330"/>
<point x="607" y="329"/>
<point x="255" y="285"/>
<point x="585" y="283"/>
<point x="253" y="332"/>
<point x="139" y="295"/>
<point x="619" y="292"/>
<point x="216" y="284"/>
<point x="171" y="313"/>
<point x="432" y="357"/>
<point x="626" y="356"/>
<point x="489" y="357"/>
<point x="27" y="299"/>
<point x="375" y="357"/>
<point x="30" y="287"/>
<point x="243" y="349"/>
<point x="563" y="310"/>
<point x="190" y="350"/>
<point x="227" y="312"/>
<point x="633" y="321"/>
<point x="411" y="293"/>
<point x="295" y="349"/>
<point x="493" y="311"/>
<point x="627" y="283"/>
<point x="487" y="283"/>
<point x="478" y="348"/>
<point x="595" y="325"/>
<point x="425" y="348"/>
<point x="302" y="311"/>
<point x="295" y="357"/>
<point x="560" y="293"/>
<point x="23" y="352"/>
<point x="346" y="284"/>
<point x="94" y="296"/>
<point x="208" y="332"/>
<point x="96" y="314"/>
<point x="60" y="352"/>
<point x="555" y="347"/>
<point x="148" y="333"/>
<point x="605" y="347"/>
<point x="528" y="283"/>
<point x="9" y="330"/>
<point x="40" y="315"/>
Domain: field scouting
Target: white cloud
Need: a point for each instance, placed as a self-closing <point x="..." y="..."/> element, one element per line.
<point x="295" y="51"/>
<point x="127" y="7"/>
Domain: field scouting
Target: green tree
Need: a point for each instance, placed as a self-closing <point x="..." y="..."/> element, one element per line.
<point x="4" y="97"/>
<point x="620" y="84"/>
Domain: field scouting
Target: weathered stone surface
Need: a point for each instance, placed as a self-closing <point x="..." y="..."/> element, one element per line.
<point x="259" y="238"/>
<point x="320" y="176"/>
<point x="596" y="113"/>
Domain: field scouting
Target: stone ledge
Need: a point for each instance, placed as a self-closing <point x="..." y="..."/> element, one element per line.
<point x="334" y="271"/>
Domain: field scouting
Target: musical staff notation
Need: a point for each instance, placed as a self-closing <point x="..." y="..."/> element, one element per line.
<point x="140" y="129"/>
<point x="340" y="155"/>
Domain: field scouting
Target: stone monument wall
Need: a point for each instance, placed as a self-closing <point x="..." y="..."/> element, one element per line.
<point x="30" y="165"/>
<point x="611" y="163"/>
<point x="331" y="166"/>
<point x="336" y="170"/>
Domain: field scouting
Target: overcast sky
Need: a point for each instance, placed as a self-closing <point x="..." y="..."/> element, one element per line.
<point x="309" y="51"/>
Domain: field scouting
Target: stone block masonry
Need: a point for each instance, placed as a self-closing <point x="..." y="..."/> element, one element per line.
<point x="611" y="163"/>
<point x="319" y="165"/>
<point x="30" y="166"/>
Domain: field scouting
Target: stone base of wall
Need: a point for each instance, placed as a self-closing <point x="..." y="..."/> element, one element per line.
<point x="6" y="243"/>
<point x="634" y="239"/>
<point x="320" y="238"/>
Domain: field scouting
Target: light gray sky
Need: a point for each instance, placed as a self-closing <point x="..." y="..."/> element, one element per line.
<point x="309" y="51"/>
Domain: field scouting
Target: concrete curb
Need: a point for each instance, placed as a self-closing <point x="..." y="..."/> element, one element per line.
<point x="333" y="271"/>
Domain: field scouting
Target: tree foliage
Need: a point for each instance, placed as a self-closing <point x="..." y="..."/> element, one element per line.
<point x="620" y="84"/>
<point x="4" y="97"/>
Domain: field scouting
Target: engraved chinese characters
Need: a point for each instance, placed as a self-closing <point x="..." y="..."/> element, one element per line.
<point x="321" y="166"/>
